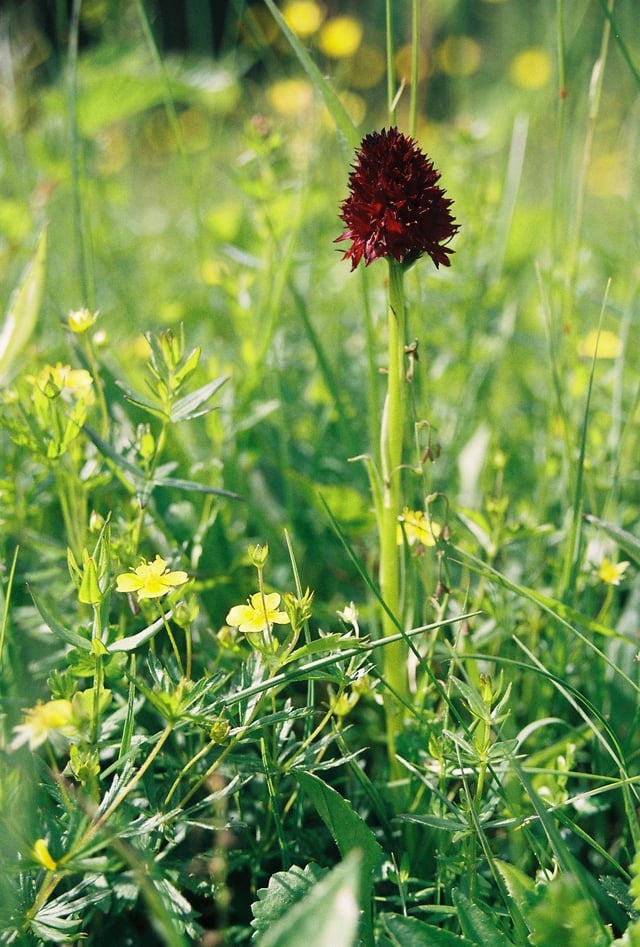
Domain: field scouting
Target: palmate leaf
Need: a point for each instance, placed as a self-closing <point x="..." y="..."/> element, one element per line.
<point x="139" y="477"/>
<point x="55" y="922"/>
<point x="192" y="405"/>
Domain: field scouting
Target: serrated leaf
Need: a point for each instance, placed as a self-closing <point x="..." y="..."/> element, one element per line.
<point x="327" y="916"/>
<point x="477" y="926"/>
<point x="412" y="932"/>
<point x="285" y="889"/>
<point x="518" y="885"/>
<point x="22" y="312"/>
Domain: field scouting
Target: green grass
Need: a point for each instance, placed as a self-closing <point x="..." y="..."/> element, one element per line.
<point x="189" y="782"/>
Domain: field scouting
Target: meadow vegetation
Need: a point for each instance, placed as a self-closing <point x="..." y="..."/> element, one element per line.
<point x="221" y="723"/>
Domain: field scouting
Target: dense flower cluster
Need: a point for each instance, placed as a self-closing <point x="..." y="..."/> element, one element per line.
<point x="395" y="207"/>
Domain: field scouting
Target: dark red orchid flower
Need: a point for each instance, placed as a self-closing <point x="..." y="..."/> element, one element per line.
<point x="395" y="207"/>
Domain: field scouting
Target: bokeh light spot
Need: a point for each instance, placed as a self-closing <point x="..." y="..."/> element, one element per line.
<point x="459" y="56"/>
<point x="303" y="16"/>
<point x="290" y="96"/>
<point x="340" y="37"/>
<point x="531" y="68"/>
<point x="367" y="67"/>
<point x="403" y="64"/>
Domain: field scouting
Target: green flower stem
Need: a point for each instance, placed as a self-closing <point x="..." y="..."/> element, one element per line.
<point x="391" y="443"/>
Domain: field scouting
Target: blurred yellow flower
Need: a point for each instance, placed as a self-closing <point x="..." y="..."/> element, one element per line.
<point x="531" y="68"/>
<point x="416" y="527"/>
<point x="54" y="716"/>
<point x="459" y="56"/>
<point x="71" y="384"/>
<point x="605" y="344"/>
<point x="610" y="175"/>
<point x="611" y="573"/>
<point x="290" y="96"/>
<point x="259" y="614"/>
<point x="150" y="579"/>
<point x="303" y="16"/>
<point x="80" y="320"/>
<point x="340" y="37"/>
<point x="367" y="67"/>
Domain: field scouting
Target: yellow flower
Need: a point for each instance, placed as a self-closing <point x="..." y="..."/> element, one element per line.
<point x="259" y="614"/>
<point x="55" y="716"/>
<point x="42" y="855"/>
<point x="150" y="579"/>
<point x="71" y="384"/>
<point x="80" y="320"/>
<point x="611" y="572"/>
<point x="604" y="344"/>
<point x="416" y="527"/>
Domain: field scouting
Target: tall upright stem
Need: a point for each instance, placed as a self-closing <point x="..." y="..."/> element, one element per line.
<point x="391" y="442"/>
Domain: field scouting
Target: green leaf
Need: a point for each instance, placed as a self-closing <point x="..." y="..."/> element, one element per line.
<point x="629" y="543"/>
<point x="141" y="401"/>
<point x="131" y="642"/>
<point x="189" y="407"/>
<point x="24" y="306"/>
<point x="348" y="830"/>
<point x="350" y="833"/>
<point x="519" y="886"/>
<point x="473" y="699"/>
<point x="411" y="932"/>
<point x="56" y="626"/>
<point x="285" y="889"/>
<point x="139" y="477"/>
<point x="571" y="617"/>
<point x="477" y="926"/>
<point x="327" y="917"/>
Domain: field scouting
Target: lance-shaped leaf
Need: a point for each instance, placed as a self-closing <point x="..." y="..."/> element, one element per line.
<point x="24" y="306"/>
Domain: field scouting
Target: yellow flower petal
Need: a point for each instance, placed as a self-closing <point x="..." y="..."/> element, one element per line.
<point x="151" y="579"/>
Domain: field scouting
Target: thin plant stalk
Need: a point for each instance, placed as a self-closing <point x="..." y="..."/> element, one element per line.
<point x="391" y="444"/>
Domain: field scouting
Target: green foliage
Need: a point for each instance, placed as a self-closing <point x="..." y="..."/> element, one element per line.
<point x="197" y="653"/>
<point x="327" y="915"/>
